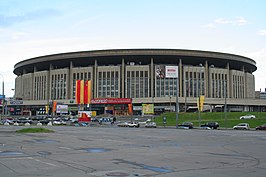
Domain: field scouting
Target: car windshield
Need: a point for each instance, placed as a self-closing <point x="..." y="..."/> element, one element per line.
<point x="242" y="124"/>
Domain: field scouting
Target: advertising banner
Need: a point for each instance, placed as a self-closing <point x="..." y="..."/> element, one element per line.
<point x="83" y="91"/>
<point x="171" y="71"/>
<point x="147" y="108"/>
<point x="160" y="71"/>
<point x="62" y="109"/>
<point x="111" y="101"/>
<point x="200" y="103"/>
<point x="88" y="113"/>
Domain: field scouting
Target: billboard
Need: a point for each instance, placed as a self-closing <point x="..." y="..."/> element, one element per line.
<point x="171" y="71"/>
<point x="148" y="108"/>
<point x="160" y="71"/>
<point x="62" y="109"/>
<point x="166" y="71"/>
<point x="88" y="113"/>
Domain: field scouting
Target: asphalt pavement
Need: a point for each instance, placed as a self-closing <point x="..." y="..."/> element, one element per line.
<point x="116" y="151"/>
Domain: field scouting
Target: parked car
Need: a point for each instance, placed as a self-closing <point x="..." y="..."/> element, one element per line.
<point x="205" y="128"/>
<point x="150" y="125"/>
<point x="24" y="120"/>
<point x="59" y="122"/>
<point x="106" y="121"/>
<point x="241" y="126"/>
<point x="248" y="116"/>
<point x="122" y="124"/>
<point x="212" y="125"/>
<point x="186" y="124"/>
<point x="261" y="127"/>
<point x="133" y="124"/>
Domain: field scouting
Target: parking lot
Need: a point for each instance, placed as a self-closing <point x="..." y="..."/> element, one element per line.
<point x="119" y="151"/>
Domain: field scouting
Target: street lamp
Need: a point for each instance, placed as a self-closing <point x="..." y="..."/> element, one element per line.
<point x="3" y="95"/>
<point x="170" y="104"/>
<point x="200" y="85"/>
<point x="225" y="104"/>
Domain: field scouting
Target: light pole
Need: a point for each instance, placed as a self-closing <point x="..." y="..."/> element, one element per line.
<point x="225" y="104"/>
<point x="177" y="102"/>
<point x="200" y="85"/>
<point x="170" y="104"/>
<point x="3" y="95"/>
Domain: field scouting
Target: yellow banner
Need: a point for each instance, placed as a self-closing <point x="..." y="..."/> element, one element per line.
<point x="82" y="92"/>
<point x="200" y="103"/>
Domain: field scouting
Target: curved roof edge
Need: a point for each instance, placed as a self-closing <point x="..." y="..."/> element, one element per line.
<point x="128" y="52"/>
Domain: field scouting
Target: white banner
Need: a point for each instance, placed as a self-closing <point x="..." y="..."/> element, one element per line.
<point x="62" y="109"/>
<point x="171" y="71"/>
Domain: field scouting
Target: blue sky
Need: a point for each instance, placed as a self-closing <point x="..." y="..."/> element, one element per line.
<point x="31" y="28"/>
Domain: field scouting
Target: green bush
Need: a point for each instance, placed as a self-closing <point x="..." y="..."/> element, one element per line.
<point x="34" y="130"/>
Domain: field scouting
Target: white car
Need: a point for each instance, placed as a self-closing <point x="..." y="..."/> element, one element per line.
<point x="122" y="124"/>
<point x="150" y="125"/>
<point x="241" y="126"/>
<point x="248" y="116"/>
<point x="133" y="124"/>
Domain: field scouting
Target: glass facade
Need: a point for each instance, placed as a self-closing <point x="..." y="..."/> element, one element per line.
<point x="58" y="86"/>
<point x="137" y="81"/>
<point x="108" y="84"/>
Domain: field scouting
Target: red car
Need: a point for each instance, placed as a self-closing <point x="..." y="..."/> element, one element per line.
<point x="261" y="127"/>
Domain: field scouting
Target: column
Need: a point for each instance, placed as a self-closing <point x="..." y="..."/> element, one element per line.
<point x="152" y="78"/>
<point x="95" y="68"/>
<point x="122" y="95"/>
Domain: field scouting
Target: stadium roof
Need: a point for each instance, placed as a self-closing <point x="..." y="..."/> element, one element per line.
<point x="143" y="56"/>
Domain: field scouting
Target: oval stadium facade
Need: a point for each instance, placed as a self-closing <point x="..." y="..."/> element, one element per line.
<point x="140" y="74"/>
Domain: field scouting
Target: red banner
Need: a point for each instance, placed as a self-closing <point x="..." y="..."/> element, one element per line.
<point x="111" y="101"/>
<point x="86" y="92"/>
<point x="83" y="91"/>
<point x="78" y="91"/>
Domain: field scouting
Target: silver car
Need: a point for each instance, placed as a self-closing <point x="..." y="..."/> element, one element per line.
<point x="241" y="126"/>
<point x="248" y="116"/>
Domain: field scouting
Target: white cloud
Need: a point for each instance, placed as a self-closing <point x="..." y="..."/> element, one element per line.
<point x="262" y="32"/>
<point x="209" y="25"/>
<point x="240" y="21"/>
<point x="236" y="21"/>
<point x="18" y="35"/>
<point x="222" y="21"/>
<point x="259" y="56"/>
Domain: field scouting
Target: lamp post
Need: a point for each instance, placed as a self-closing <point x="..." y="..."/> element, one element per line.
<point x="225" y="104"/>
<point x="3" y="95"/>
<point x="177" y="102"/>
<point x="170" y="104"/>
<point x="200" y="85"/>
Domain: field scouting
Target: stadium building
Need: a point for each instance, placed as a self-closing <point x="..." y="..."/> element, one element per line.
<point x="138" y="74"/>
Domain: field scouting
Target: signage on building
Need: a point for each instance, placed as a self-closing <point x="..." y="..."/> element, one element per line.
<point x="111" y="101"/>
<point x="16" y="102"/>
<point x="62" y="109"/>
<point x="166" y="71"/>
<point x="148" y="108"/>
<point x="160" y="71"/>
<point x="171" y="71"/>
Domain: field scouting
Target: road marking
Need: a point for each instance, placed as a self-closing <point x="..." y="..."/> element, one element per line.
<point x="65" y="148"/>
<point x="47" y="163"/>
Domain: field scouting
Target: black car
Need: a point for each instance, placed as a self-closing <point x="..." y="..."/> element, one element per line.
<point x="187" y="124"/>
<point x="212" y="125"/>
